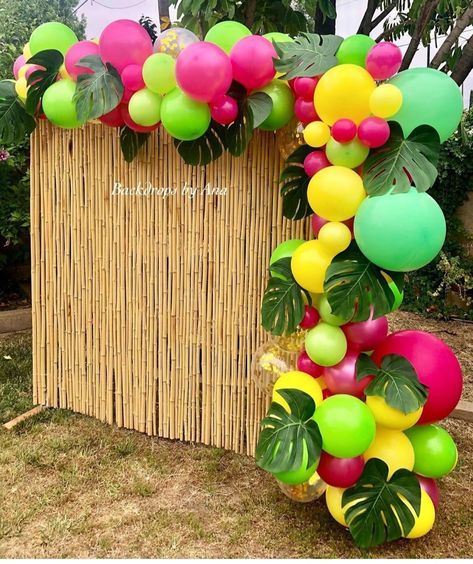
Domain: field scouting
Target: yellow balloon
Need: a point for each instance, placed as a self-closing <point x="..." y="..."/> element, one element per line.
<point x="27" y="51"/>
<point x="316" y="134"/>
<point x="333" y="499"/>
<point x="385" y="101"/>
<point x="321" y="382"/>
<point x="309" y="264"/>
<point x="344" y="92"/>
<point x="426" y="518"/>
<point x="22" y="70"/>
<point x="336" y="192"/>
<point x="389" y="417"/>
<point x="21" y="88"/>
<point x="335" y="236"/>
<point x="299" y="381"/>
<point x="95" y="40"/>
<point x="63" y="72"/>
<point x="393" y="447"/>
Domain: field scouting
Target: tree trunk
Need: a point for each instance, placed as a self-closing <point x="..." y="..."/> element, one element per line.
<point x="326" y="27"/>
<point x="465" y="64"/>
<point x="365" y="24"/>
<point x="250" y="13"/>
<point x="424" y="17"/>
<point x="383" y="15"/>
<point x="452" y="38"/>
<point x="164" y="19"/>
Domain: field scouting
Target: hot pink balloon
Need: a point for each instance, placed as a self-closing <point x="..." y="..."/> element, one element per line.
<point x="113" y="118"/>
<point x="77" y="52"/>
<point x="373" y="132"/>
<point x="436" y="366"/>
<point x="224" y="110"/>
<point x="31" y="69"/>
<point x="340" y="472"/>
<point x="383" y="60"/>
<point x="305" y="110"/>
<point x="20" y="61"/>
<point x="252" y="61"/>
<point x="310" y="319"/>
<point x="341" y="378"/>
<point x="431" y="489"/>
<point x="344" y="130"/>
<point x="132" y="78"/>
<point x="123" y="43"/>
<point x="305" y="364"/>
<point x="204" y="71"/>
<point x="315" y="161"/>
<point x="366" y="335"/>
<point x="304" y="87"/>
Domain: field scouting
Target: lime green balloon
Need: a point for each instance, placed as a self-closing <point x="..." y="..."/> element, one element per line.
<point x="184" y="118"/>
<point x="145" y="107"/>
<point x="351" y="154"/>
<point x="284" y="250"/>
<point x="326" y="344"/>
<point x="59" y="106"/>
<point x="300" y="475"/>
<point x="434" y="449"/>
<point x="159" y="73"/>
<point x="429" y="97"/>
<point x="226" y="34"/>
<point x="398" y="296"/>
<point x="52" y="35"/>
<point x="283" y="105"/>
<point x="278" y="37"/>
<point x="346" y="424"/>
<point x="354" y="50"/>
<point x="326" y="314"/>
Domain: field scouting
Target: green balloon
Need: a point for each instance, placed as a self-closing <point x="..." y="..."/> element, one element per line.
<point x="52" y="35"/>
<point x="434" y="449"/>
<point x="145" y="107"/>
<point x="159" y="73"/>
<point x="351" y="154"/>
<point x="354" y="49"/>
<point x="325" y="312"/>
<point x="278" y="37"/>
<point x="284" y="250"/>
<point x="59" y="106"/>
<point x="301" y="475"/>
<point x="283" y="105"/>
<point x="400" y="232"/>
<point x="346" y="424"/>
<point x="184" y="118"/>
<point x="429" y="97"/>
<point x="226" y="34"/>
<point x="326" y="344"/>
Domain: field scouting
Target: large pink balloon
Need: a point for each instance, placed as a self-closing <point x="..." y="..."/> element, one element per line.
<point x="252" y="61"/>
<point x="436" y="367"/>
<point x="77" y="52"/>
<point x="341" y="378"/>
<point x="20" y="61"/>
<point x="204" y="71"/>
<point x="123" y="43"/>
<point x="431" y="488"/>
<point x="340" y="472"/>
<point x="366" y="335"/>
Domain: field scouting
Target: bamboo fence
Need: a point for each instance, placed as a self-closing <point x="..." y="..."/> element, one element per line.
<point x="146" y="310"/>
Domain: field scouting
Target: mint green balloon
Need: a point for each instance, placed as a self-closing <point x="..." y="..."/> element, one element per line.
<point x="52" y="35"/>
<point x="351" y="154"/>
<point x="434" y="449"/>
<point x="159" y="73"/>
<point x="326" y="344"/>
<point x="278" y="37"/>
<point x="354" y="50"/>
<point x="302" y="474"/>
<point x="284" y="250"/>
<point x="429" y="97"/>
<point x="326" y="314"/>
<point x="400" y="232"/>
<point x="145" y="107"/>
<point x="59" y="106"/>
<point x="226" y="34"/>
<point x="283" y="105"/>
<point x="184" y="118"/>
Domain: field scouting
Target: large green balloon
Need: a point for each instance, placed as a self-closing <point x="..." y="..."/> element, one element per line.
<point x="283" y="105"/>
<point x="58" y="104"/>
<point x="52" y="35"/>
<point x="400" y="232"/>
<point x="346" y="424"/>
<point x="284" y="250"/>
<point x="326" y="344"/>
<point x="159" y="73"/>
<point x="278" y="37"/>
<point x="435" y="451"/>
<point x="145" y="107"/>
<point x="429" y="97"/>
<point x="226" y="34"/>
<point x="184" y="118"/>
<point x="300" y="475"/>
<point x="354" y="49"/>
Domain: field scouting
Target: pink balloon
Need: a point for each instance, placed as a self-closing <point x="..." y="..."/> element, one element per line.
<point x="224" y="110"/>
<point x="366" y="335"/>
<point x="31" y="70"/>
<point x="252" y="61"/>
<point x="204" y="71"/>
<point x="305" y="364"/>
<point x="344" y="130"/>
<point x="134" y="126"/>
<point x="341" y="378"/>
<point x="373" y="132"/>
<point x="132" y="78"/>
<point x="318" y="222"/>
<point x="429" y="485"/>
<point x="383" y="60"/>
<point x="315" y="161"/>
<point x="436" y="366"/>
<point x="77" y="52"/>
<point x="340" y="472"/>
<point x="304" y="87"/>
<point x="113" y="118"/>
<point x="310" y="319"/>
<point x="20" y="61"/>
<point x="123" y="43"/>
<point x="305" y="110"/>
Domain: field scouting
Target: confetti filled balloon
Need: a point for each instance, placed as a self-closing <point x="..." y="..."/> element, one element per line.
<point x="174" y="40"/>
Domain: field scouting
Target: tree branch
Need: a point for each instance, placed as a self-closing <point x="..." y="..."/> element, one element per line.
<point x="446" y="47"/>
<point x="250" y="13"/>
<point x="365" y="24"/>
<point x="464" y="64"/>
<point x="383" y="15"/>
<point x="423" y="19"/>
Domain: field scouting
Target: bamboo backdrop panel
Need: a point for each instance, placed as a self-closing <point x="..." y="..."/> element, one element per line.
<point x="146" y="311"/>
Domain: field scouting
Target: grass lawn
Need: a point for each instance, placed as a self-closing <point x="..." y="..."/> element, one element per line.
<point x="71" y="486"/>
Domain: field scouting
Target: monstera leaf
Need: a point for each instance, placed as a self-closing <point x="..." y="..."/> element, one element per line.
<point x="295" y="182"/>
<point x="355" y="286"/>
<point x="40" y="80"/>
<point x="309" y="54"/>
<point x="283" y="307"/>
<point x="15" y="121"/>
<point x="284" y="435"/>
<point x="396" y="381"/>
<point x="380" y="512"/>
<point x="403" y="162"/>
<point x="260" y="105"/>
<point x="205" y="149"/>
<point x="131" y="142"/>
<point x="97" y="93"/>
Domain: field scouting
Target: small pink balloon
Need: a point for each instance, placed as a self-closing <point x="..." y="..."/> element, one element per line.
<point x="134" y="126"/>
<point x="315" y="161"/>
<point x="305" y="110"/>
<point x="305" y="364"/>
<point x="366" y="335"/>
<point x="341" y="378"/>
<point x="113" y="118"/>
<point x="340" y="472"/>
<point x="310" y="319"/>
<point x="132" y="78"/>
<point x="383" y="60"/>
<point x="373" y="132"/>
<point x="252" y="61"/>
<point x="20" y="61"/>
<point x="224" y="110"/>
<point x="123" y="43"/>
<point x="31" y="70"/>
<point x="304" y="87"/>
<point x="77" y="52"/>
<point x="429" y="485"/>
<point x="344" y="130"/>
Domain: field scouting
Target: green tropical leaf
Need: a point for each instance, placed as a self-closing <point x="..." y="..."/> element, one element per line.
<point x="402" y="162"/>
<point x="379" y="512"/>
<point x="40" y="80"/>
<point x="97" y="93"/>
<point x="240" y="132"/>
<point x="15" y="122"/>
<point x="396" y="381"/>
<point x="205" y="149"/>
<point x="283" y="435"/>
<point x="261" y="105"/>
<point x="355" y="286"/>
<point x="309" y="54"/>
<point x="131" y="142"/>
<point x="294" y="183"/>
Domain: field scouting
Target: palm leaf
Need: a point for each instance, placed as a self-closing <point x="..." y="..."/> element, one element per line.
<point x="283" y="435"/>
<point x="15" y="122"/>
<point x="131" y="142"/>
<point x="205" y="149"/>
<point x="40" y="80"/>
<point x="295" y="183"/>
<point x="403" y="162"/>
<point x="260" y="105"/>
